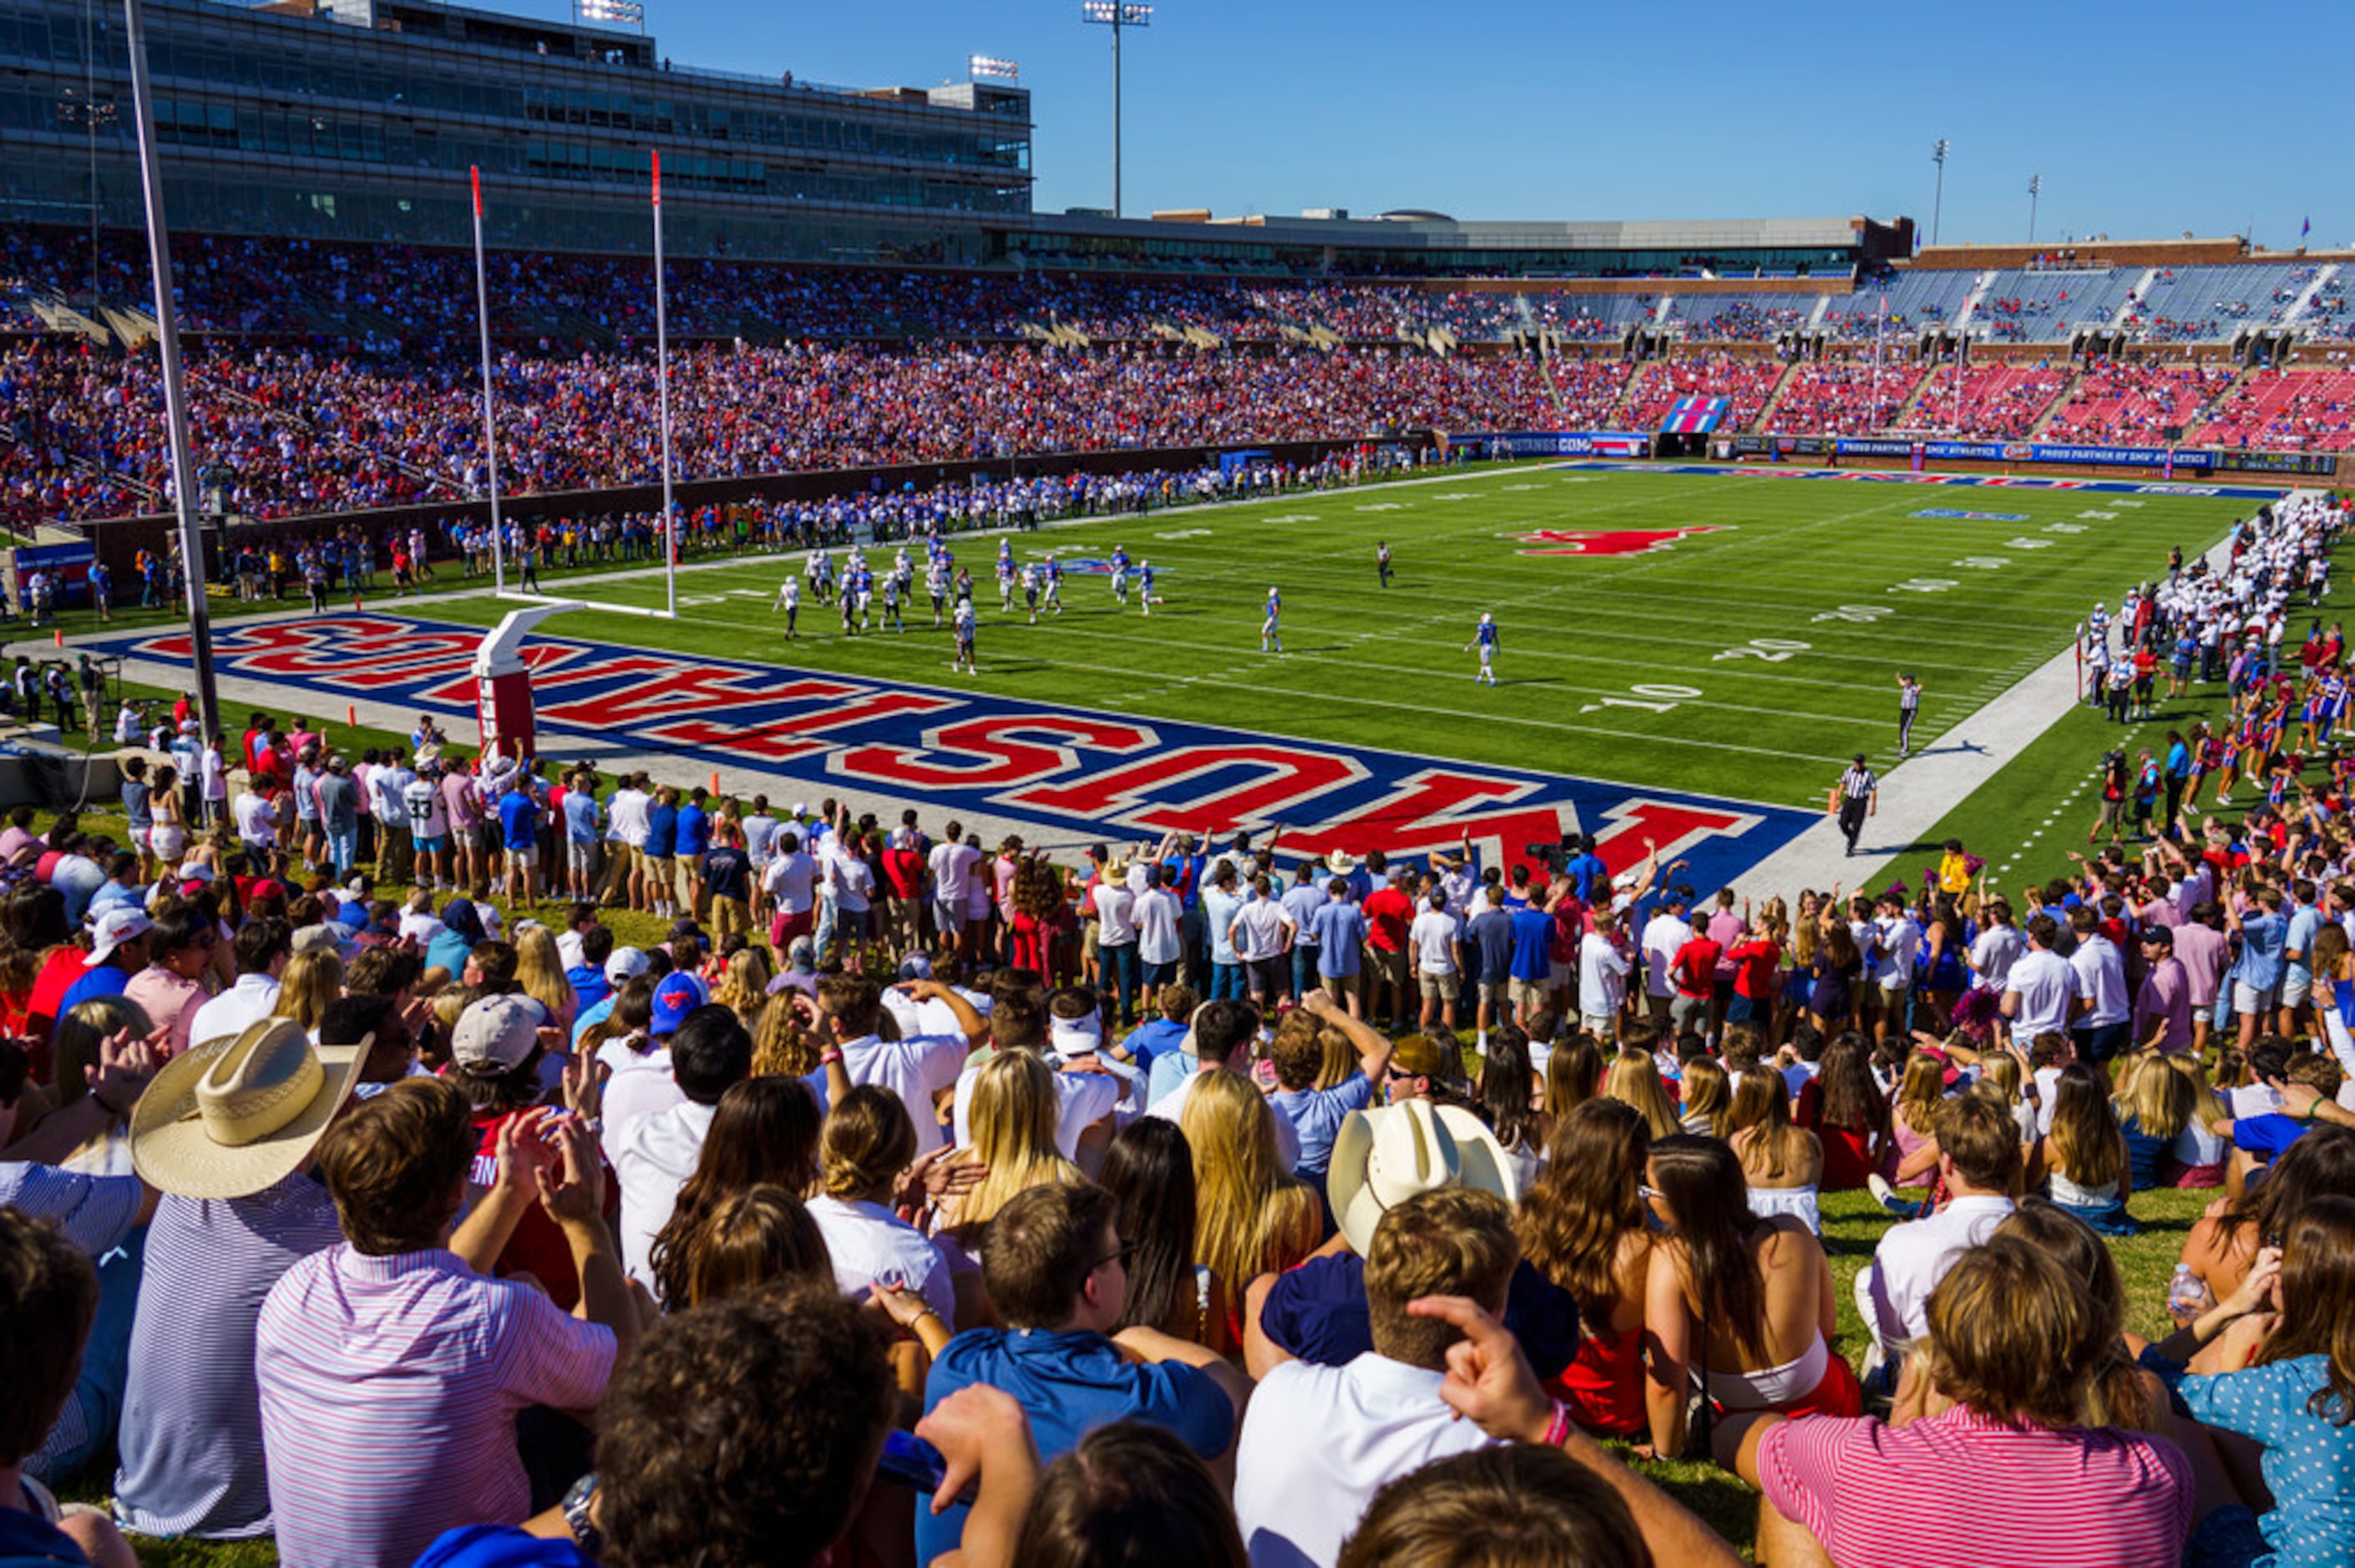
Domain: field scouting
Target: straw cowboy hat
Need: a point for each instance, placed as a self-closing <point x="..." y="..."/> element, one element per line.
<point x="1383" y="1156"/>
<point x="243" y="1112"/>
<point x="1340" y="863"/>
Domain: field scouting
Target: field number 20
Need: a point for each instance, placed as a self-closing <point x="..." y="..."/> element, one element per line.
<point x="1773" y="650"/>
<point x="1653" y="698"/>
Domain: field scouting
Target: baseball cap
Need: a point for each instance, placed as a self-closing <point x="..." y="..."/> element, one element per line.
<point x="680" y="994"/>
<point x="1419" y="1057"/>
<point x="2159" y="933"/>
<point x="496" y="1032"/>
<point x="124" y="923"/>
<point x="624" y="965"/>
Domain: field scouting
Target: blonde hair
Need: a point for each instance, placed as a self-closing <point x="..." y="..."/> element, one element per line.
<point x="781" y="1047"/>
<point x="2001" y="1069"/>
<point x="1920" y="1092"/>
<point x="1762" y="1129"/>
<point x="1012" y="1117"/>
<point x="745" y="987"/>
<point x="2207" y="1107"/>
<point x="1635" y="1078"/>
<point x="539" y="970"/>
<point x="1230" y="1132"/>
<point x="1709" y="1095"/>
<point x="310" y="984"/>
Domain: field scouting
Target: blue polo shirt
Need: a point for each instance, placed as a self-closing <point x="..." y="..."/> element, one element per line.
<point x="1316" y="1115"/>
<point x="520" y="820"/>
<point x="694" y="829"/>
<point x="2262" y="937"/>
<point x="662" y="831"/>
<point x="1492" y="931"/>
<point x="1340" y="929"/>
<point x="1069" y="1384"/>
<point x="1150" y="1040"/>
<point x="1532" y="940"/>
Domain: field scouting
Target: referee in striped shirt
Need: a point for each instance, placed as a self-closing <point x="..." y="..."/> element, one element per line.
<point x="1855" y="797"/>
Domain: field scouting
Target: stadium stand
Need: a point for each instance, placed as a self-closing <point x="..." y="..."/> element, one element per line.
<point x="2296" y="409"/>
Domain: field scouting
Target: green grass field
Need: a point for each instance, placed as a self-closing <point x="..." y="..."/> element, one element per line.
<point x="1745" y="662"/>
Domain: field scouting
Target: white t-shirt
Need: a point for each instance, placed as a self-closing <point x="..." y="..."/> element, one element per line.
<point x="1318" y="1443"/>
<point x="1602" y="977"/>
<point x="1084" y="1099"/>
<point x="1114" y="903"/>
<point x="1997" y="948"/>
<point x="791" y="883"/>
<point x="1664" y="935"/>
<point x="257" y="820"/>
<point x="867" y="1243"/>
<point x="654" y="1155"/>
<point x="2101" y="977"/>
<point x="952" y="866"/>
<point x="1259" y="927"/>
<point x="1433" y="938"/>
<point x="2047" y="986"/>
<point x="628" y="819"/>
<point x="853" y="880"/>
<point x="1156" y="913"/>
<point x="914" y="1069"/>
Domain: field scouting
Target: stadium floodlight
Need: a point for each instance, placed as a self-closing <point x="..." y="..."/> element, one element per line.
<point x="2035" y="189"/>
<point x="623" y="13"/>
<point x="1938" y="202"/>
<point x="991" y="66"/>
<point x="1119" y="15"/>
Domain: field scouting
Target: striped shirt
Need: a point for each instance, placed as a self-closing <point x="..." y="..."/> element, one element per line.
<point x="390" y="1389"/>
<point x="1857" y="783"/>
<point x="94" y="1212"/>
<point x="1961" y="1488"/>
<point x="191" y="1434"/>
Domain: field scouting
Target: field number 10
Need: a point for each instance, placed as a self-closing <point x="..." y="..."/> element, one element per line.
<point x="1657" y="699"/>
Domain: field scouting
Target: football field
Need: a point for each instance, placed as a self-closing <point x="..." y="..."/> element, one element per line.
<point x="1732" y="636"/>
<point x="1685" y="656"/>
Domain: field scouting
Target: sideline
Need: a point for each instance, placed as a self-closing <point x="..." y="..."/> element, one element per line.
<point x="1918" y="794"/>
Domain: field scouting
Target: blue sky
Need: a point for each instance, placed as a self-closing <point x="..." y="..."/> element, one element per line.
<point x="1487" y="109"/>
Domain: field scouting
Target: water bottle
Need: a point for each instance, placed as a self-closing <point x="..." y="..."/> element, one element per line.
<point x="2186" y="1295"/>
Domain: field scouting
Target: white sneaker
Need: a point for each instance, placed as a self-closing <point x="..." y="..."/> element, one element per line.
<point x="1883" y="1193"/>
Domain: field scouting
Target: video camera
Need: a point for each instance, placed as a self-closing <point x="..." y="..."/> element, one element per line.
<point x="1555" y="857"/>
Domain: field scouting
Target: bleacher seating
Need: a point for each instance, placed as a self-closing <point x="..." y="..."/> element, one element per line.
<point x="2039" y="306"/>
<point x="1998" y="402"/>
<point x="1844" y="397"/>
<point x="1747" y="383"/>
<point x="2133" y="403"/>
<point x="2293" y="409"/>
<point x="2193" y="304"/>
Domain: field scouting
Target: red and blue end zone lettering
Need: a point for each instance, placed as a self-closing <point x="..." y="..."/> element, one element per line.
<point x="1088" y="774"/>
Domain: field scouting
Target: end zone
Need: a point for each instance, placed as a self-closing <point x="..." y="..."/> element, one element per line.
<point x="1057" y="775"/>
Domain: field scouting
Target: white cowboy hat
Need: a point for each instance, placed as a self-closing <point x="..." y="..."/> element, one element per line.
<point x="1383" y="1156"/>
<point x="1340" y="863"/>
<point x="241" y="1113"/>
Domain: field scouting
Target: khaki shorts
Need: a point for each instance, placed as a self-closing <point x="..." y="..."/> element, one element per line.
<point x="660" y="868"/>
<point x="1528" y="995"/>
<point x="684" y="879"/>
<point x="1493" y="990"/>
<point x="730" y="915"/>
<point x="1438" y="988"/>
<point x="526" y="858"/>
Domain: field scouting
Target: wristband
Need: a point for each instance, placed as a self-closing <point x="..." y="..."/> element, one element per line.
<point x="1557" y="1430"/>
<point x="828" y="1059"/>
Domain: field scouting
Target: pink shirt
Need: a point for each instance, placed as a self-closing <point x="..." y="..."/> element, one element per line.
<point x="1963" y="1490"/>
<point x="390" y="1388"/>
<point x="2203" y="952"/>
<point x="169" y="1001"/>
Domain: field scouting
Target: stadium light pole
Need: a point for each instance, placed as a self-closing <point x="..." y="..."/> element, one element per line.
<point x="1938" y="202"/>
<point x="175" y="399"/>
<point x="1117" y="15"/>
<point x="2035" y="189"/>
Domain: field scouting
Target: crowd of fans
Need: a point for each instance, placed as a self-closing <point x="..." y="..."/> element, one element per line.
<point x="1193" y="1201"/>
<point x="1844" y="397"/>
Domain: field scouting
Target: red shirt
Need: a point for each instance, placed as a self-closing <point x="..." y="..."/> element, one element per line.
<point x="903" y="870"/>
<point x="538" y="1247"/>
<point x="1388" y="912"/>
<point x="1755" y="975"/>
<point x="1695" y="966"/>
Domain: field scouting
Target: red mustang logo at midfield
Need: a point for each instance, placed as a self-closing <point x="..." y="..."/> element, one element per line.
<point x="1609" y="541"/>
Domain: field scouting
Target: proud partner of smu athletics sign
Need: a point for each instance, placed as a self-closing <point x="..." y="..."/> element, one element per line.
<point x="1081" y="772"/>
